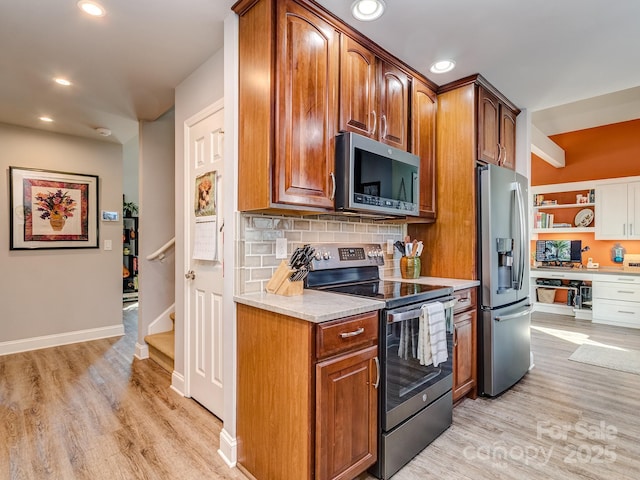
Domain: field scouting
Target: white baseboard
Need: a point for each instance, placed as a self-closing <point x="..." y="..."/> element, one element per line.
<point x="228" y="448"/>
<point x="142" y="351"/>
<point x="177" y="383"/>
<point x="36" y="343"/>
<point x="162" y="323"/>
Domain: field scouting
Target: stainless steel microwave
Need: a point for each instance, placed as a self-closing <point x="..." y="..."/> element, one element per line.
<point x="374" y="178"/>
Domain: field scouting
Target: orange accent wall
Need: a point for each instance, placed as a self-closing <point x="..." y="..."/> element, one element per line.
<point x="610" y="151"/>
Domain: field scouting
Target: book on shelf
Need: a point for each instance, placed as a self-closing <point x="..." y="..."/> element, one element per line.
<point x="543" y="220"/>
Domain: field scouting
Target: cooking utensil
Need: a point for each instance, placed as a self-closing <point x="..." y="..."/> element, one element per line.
<point x="400" y="246"/>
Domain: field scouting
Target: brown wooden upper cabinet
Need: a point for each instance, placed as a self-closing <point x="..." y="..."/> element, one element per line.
<point x="303" y="77"/>
<point x="374" y="95"/>
<point x="496" y="130"/>
<point x="423" y="143"/>
<point x="288" y="94"/>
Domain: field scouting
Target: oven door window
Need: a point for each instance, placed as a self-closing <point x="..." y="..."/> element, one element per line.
<point x="405" y="376"/>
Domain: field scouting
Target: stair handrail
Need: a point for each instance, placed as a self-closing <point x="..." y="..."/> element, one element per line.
<point x="160" y="253"/>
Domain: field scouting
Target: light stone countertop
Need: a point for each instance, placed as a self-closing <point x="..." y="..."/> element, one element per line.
<point x="456" y="283"/>
<point x="313" y="306"/>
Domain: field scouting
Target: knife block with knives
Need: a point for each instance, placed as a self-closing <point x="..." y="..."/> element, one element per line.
<point x="280" y="282"/>
<point x="288" y="279"/>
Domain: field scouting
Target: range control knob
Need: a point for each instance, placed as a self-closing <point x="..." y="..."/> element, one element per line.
<point x="318" y="256"/>
<point x="326" y="255"/>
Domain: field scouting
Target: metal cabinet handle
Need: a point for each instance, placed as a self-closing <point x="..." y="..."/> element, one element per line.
<point x="377" y="384"/>
<point x="624" y="311"/>
<point x="190" y="275"/>
<point x="333" y="186"/>
<point x="463" y="301"/>
<point x="383" y="118"/>
<point x="352" y="334"/>
<point x="626" y="291"/>
<point x="499" y="152"/>
<point x="455" y="335"/>
<point x="375" y="123"/>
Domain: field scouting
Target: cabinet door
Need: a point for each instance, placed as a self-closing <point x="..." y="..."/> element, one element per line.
<point x="394" y="106"/>
<point x="611" y="212"/>
<point x="507" y="156"/>
<point x="307" y="79"/>
<point x="488" y="127"/>
<point x="423" y="143"/>
<point x="464" y="354"/>
<point x="346" y="414"/>
<point x="633" y="211"/>
<point x="357" y="89"/>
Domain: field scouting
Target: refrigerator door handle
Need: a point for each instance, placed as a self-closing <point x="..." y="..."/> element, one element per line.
<point x="523" y="231"/>
<point x="515" y="315"/>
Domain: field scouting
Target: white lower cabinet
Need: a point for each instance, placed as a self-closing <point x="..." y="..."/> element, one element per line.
<point x="616" y="301"/>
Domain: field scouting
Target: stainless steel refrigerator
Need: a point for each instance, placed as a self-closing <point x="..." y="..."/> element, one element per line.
<point x="504" y="339"/>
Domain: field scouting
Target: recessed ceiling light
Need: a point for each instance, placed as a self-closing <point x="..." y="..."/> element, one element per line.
<point x="46" y="119"/>
<point x="367" y="10"/>
<point x="62" y="81"/>
<point x="443" y="66"/>
<point x="92" y="8"/>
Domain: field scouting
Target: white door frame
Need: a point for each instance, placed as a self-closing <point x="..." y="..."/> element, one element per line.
<point x="187" y="211"/>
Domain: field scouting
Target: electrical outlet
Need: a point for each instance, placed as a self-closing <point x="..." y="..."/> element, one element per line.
<point x="108" y="245"/>
<point x="281" y="248"/>
<point x="389" y="247"/>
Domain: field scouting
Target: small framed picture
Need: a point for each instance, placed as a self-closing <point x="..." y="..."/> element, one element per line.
<point x="109" y="216"/>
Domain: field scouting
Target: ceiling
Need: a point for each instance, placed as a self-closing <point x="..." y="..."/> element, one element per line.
<point x="574" y="63"/>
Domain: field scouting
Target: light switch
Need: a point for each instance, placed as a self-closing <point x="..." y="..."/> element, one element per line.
<point x="108" y="245"/>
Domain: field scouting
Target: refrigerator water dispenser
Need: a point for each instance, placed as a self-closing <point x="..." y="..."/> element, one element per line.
<point x="504" y="246"/>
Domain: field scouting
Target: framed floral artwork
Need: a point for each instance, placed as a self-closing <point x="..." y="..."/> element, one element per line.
<point x="50" y="209"/>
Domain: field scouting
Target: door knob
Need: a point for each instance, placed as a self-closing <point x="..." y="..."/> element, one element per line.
<point x="190" y="275"/>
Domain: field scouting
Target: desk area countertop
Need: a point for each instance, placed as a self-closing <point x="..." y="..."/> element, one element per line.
<point x="546" y="271"/>
<point x="313" y="306"/>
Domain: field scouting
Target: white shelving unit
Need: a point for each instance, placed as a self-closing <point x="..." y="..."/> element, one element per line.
<point x="554" y="191"/>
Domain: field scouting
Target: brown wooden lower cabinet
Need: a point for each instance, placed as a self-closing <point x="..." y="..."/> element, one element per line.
<point x="346" y="417"/>
<point x="307" y="398"/>
<point x="464" y="345"/>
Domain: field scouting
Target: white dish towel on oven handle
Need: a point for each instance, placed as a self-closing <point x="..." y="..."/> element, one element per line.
<point x="432" y="336"/>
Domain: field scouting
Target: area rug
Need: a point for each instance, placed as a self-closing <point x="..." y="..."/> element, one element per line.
<point x="623" y="360"/>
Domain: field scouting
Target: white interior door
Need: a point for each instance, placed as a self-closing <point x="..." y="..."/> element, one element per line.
<point x="204" y="276"/>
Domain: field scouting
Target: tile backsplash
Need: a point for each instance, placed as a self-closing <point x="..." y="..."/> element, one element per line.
<point x="257" y="233"/>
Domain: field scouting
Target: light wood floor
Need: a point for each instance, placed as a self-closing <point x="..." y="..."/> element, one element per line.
<point x="519" y="435"/>
<point x="88" y="411"/>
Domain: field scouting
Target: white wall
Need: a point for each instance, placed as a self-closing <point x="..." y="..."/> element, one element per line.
<point x="157" y="221"/>
<point x="57" y="292"/>
<point x="130" y="174"/>
<point x="201" y="89"/>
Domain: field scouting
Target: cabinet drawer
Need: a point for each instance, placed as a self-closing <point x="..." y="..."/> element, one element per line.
<point x="624" y="314"/>
<point x="617" y="291"/>
<point x="466" y="299"/>
<point x="347" y="333"/>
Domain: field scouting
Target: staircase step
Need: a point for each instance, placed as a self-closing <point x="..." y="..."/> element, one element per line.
<point x="162" y="349"/>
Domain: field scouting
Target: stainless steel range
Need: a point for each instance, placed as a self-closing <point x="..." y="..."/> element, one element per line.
<point x="415" y="400"/>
